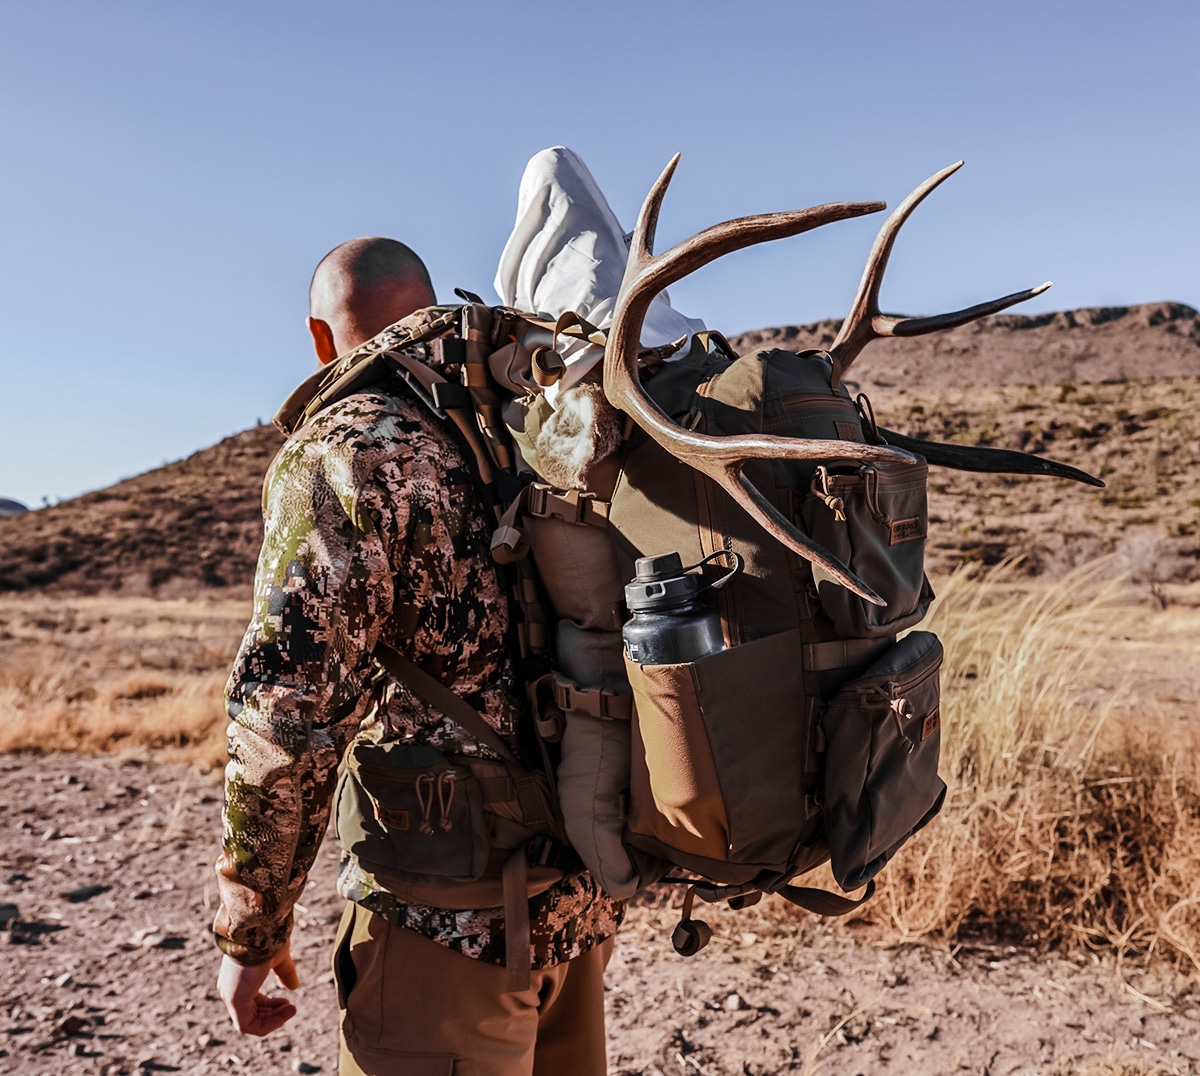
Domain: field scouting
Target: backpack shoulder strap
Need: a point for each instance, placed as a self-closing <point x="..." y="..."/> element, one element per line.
<point x="436" y="693"/>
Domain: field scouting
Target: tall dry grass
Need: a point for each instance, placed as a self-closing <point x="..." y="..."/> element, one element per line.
<point x="1067" y="823"/>
<point x="180" y="718"/>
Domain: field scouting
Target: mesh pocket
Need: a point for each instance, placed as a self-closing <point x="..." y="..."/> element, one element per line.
<point x="874" y="519"/>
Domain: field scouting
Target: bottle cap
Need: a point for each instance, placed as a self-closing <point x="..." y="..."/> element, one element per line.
<point x="660" y="582"/>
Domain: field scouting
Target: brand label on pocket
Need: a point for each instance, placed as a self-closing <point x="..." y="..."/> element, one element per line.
<point x="392" y="819"/>
<point x="931" y="724"/>
<point x="848" y="431"/>
<point x="906" y="530"/>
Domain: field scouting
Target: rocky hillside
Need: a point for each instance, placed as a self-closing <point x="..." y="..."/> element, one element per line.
<point x="1113" y="343"/>
<point x="196" y="523"/>
<point x="1113" y="391"/>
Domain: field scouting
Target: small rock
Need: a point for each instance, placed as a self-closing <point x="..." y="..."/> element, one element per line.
<point x="733" y="1003"/>
<point x="15" y="877"/>
<point x="205" y="1039"/>
<point x="84" y="892"/>
<point x="148" y="938"/>
<point x="51" y="834"/>
<point x="72" y="1025"/>
<point x="304" y="1066"/>
<point x="9" y="913"/>
<point x="749" y="938"/>
<point x="64" y="979"/>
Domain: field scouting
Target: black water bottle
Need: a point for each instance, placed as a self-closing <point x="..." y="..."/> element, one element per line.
<point x="673" y="621"/>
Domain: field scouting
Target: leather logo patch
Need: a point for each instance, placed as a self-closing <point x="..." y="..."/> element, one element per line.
<point x="391" y="819"/>
<point x="931" y="724"/>
<point x="848" y="431"/>
<point x="906" y="530"/>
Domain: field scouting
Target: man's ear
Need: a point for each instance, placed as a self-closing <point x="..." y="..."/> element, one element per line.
<point x="323" y="343"/>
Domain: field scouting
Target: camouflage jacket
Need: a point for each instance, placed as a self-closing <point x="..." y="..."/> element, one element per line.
<point x="373" y="531"/>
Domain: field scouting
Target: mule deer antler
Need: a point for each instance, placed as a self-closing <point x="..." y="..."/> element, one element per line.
<point x="722" y="458"/>
<point x="865" y="323"/>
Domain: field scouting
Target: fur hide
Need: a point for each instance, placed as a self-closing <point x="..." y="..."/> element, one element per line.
<point x="583" y="430"/>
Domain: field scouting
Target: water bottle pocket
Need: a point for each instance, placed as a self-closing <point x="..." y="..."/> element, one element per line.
<point x="722" y="752"/>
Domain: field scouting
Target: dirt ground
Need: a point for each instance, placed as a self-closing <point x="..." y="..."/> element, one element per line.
<point x="109" y="967"/>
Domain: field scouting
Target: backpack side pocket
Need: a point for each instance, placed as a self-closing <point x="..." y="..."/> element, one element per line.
<point x="883" y="735"/>
<point x="874" y="519"/>
<point x="407" y="810"/>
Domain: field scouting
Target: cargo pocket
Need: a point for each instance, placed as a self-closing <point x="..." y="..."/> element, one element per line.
<point x="408" y="811"/>
<point x="345" y="975"/>
<point x="874" y="519"/>
<point x="883" y="737"/>
<point x="740" y="714"/>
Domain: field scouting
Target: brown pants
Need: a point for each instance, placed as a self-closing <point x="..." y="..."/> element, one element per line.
<point x="412" y="1007"/>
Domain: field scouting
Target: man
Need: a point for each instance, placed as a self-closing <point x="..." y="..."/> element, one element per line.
<point x="374" y="534"/>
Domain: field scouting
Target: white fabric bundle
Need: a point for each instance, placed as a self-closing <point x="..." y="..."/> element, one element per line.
<point x="567" y="251"/>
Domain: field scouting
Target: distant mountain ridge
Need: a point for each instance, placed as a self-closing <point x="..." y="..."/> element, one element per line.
<point x="1096" y="344"/>
<point x="195" y="525"/>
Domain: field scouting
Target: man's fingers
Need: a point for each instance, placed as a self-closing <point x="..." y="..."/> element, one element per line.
<point x="263" y="1015"/>
<point x="285" y="972"/>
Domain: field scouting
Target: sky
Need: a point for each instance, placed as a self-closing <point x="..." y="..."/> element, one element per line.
<point x="171" y="172"/>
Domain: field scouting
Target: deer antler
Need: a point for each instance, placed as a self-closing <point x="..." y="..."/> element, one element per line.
<point x="865" y="323"/>
<point x="722" y="458"/>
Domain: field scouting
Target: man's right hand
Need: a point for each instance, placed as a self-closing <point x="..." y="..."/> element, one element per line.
<point x="240" y="987"/>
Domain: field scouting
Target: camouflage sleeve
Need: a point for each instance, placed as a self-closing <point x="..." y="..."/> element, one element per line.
<point x="300" y="683"/>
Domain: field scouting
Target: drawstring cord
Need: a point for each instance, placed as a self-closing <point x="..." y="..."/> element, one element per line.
<point x="446" y="799"/>
<point x="424" y="791"/>
<point x="820" y="489"/>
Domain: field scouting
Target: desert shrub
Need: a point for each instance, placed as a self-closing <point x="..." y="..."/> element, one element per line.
<point x="1062" y="826"/>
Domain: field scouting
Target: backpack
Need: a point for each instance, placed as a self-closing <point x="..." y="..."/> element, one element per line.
<point x="813" y="733"/>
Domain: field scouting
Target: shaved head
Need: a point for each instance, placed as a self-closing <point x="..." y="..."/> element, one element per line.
<point x="363" y="286"/>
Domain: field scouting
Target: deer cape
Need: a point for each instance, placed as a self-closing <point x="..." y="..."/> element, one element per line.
<point x="567" y="251"/>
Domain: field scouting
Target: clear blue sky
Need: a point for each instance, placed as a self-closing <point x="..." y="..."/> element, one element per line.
<point x="170" y="173"/>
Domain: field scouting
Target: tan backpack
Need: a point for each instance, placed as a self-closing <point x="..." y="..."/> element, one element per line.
<point x="813" y="733"/>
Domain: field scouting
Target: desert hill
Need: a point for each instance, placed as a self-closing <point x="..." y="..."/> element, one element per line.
<point x="197" y="521"/>
<point x="1096" y="344"/>
<point x="1111" y="390"/>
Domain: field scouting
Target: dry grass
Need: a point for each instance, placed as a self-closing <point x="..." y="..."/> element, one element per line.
<point x="181" y="717"/>
<point x="116" y="675"/>
<point x="1073" y="818"/>
<point x="1064" y="825"/>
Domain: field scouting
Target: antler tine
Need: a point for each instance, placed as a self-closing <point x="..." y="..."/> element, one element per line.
<point x="722" y="458"/>
<point x="865" y="323"/>
<point x="921" y="326"/>
<point x="642" y="243"/>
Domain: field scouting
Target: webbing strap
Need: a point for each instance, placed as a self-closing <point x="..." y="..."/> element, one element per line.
<point x="438" y="694"/>
<point x="594" y="701"/>
<point x="843" y="653"/>
<point x="569" y="505"/>
<point x="516" y="920"/>
<point x="496" y="789"/>
<point x="821" y="902"/>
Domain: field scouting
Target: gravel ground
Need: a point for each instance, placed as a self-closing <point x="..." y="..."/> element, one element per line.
<point x="108" y="967"/>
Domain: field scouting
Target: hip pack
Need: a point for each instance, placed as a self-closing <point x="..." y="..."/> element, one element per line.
<point x="808" y="729"/>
